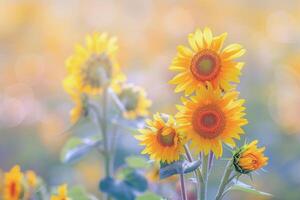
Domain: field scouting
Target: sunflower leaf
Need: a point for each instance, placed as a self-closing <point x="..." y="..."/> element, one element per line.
<point x="78" y="193"/>
<point x="178" y="167"/>
<point x="76" y="148"/>
<point x="136" y="181"/>
<point x="117" y="189"/>
<point x="240" y="186"/>
<point x="137" y="162"/>
<point x="149" y="196"/>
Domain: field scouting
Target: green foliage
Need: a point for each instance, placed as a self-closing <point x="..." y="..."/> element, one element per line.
<point x="149" y="196"/>
<point x="76" y="148"/>
<point x="136" y="181"/>
<point x="178" y="167"/>
<point x="240" y="186"/>
<point x="137" y="162"/>
<point x="78" y="193"/>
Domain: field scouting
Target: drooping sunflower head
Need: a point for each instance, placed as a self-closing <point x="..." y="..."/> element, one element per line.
<point x="206" y="61"/>
<point x="249" y="158"/>
<point x="94" y="65"/>
<point x="210" y="118"/>
<point x="162" y="140"/>
<point x="13" y="184"/>
<point x="135" y="101"/>
<point x="62" y="193"/>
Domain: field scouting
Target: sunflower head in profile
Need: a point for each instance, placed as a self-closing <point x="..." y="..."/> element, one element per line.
<point x="135" y="102"/>
<point x="13" y="189"/>
<point x="94" y="65"/>
<point x="210" y="118"/>
<point x="206" y="61"/>
<point x="62" y="193"/>
<point x="249" y="158"/>
<point x="161" y="139"/>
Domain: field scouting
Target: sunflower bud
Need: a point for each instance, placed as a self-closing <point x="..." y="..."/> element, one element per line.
<point x="249" y="158"/>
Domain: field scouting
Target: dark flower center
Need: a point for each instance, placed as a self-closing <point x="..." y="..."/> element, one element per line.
<point x="97" y="70"/>
<point x="208" y="121"/>
<point x="166" y="136"/>
<point x="205" y="65"/>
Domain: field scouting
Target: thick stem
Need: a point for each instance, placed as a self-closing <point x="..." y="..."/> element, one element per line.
<point x="182" y="185"/>
<point x="224" y="180"/>
<point x="105" y="135"/>
<point x="197" y="172"/>
<point x="104" y="131"/>
<point x="205" y="177"/>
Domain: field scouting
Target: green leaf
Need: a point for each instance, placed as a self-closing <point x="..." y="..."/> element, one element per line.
<point x="177" y="167"/>
<point x="78" y="193"/>
<point x="137" y="181"/>
<point x="240" y="186"/>
<point x="149" y="196"/>
<point x="137" y="162"/>
<point x="76" y="148"/>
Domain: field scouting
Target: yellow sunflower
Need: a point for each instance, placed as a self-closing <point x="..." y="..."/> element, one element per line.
<point x="161" y="138"/>
<point x="31" y="179"/>
<point x="135" y="101"/>
<point x="206" y="61"/>
<point x="209" y="118"/>
<point x="95" y="65"/>
<point x="13" y="184"/>
<point x="62" y="193"/>
<point x="250" y="158"/>
<point x="80" y="99"/>
<point x="32" y="183"/>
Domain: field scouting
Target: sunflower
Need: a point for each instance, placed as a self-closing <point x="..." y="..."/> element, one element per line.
<point x="62" y="193"/>
<point x="31" y="179"/>
<point x="206" y="61"/>
<point x="79" y="98"/>
<point x="94" y="65"/>
<point x="162" y="140"/>
<point x="249" y="158"/>
<point x="13" y="184"/>
<point x="31" y="183"/>
<point x="135" y="101"/>
<point x="209" y="118"/>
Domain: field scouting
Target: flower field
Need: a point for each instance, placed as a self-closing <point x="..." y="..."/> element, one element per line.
<point x="149" y="100"/>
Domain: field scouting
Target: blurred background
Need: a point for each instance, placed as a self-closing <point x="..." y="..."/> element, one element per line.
<point x="37" y="36"/>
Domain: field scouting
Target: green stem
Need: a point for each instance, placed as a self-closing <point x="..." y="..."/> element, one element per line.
<point x="224" y="180"/>
<point x="205" y="177"/>
<point x="104" y="131"/>
<point x="182" y="185"/>
<point x="197" y="172"/>
<point x="105" y="135"/>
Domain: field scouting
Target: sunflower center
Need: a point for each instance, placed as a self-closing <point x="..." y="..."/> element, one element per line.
<point x="97" y="70"/>
<point x="205" y="65"/>
<point x="166" y="136"/>
<point x="129" y="98"/>
<point x="12" y="189"/>
<point x="208" y="121"/>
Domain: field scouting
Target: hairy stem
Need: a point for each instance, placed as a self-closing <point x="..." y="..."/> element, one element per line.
<point x="197" y="172"/>
<point x="205" y="177"/>
<point x="182" y="185"/>
<point x="224" y="180"/>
